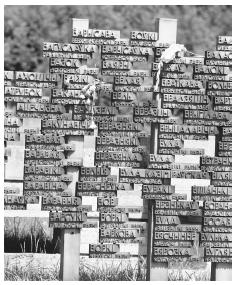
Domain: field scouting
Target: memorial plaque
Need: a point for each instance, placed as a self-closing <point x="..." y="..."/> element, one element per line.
<point x="98" y="186"/>
<point x="211" y="190"/>
<point x="220" y="55"/>
<point x="95" y="33"/>
<point x="143" y="36"/>
<point x="103" y="250"/>
<point x="126" y="50"/>
<point x="12" y="122"/>
<point x="67" y="50"/>
<point x="176" y="236"/>
<point x="61" y="201"/>
<point x="206" y="77"/>
<point x="44" y="186"/>
<point x="179" y="205"/>
<point x="216" y="222"/>
<point x="188" y="129"/>
<point x="217" y="206"/>
<point x="211" y="70"/>
<point x="120" y="126"/>
<point x="178" y="228"/>
<point x="118" y="156"/>
<point x="9" y="190"/>
<point x="172" y="251"/>
<point x="43" y="170"/>
<point x="165" y="159"/>
<point x="100" y="41"/>
<point x="25" y="92"/>
<point x="172" y="243"/>
<point x="158" y="189"/>
<point x="222" y="175"/>
<point x="121" y="235"/>
<point x="182" y="83"/>
<point x="9" y="78"/>
<point x="190" y="174"/>
<point x="176" y="68"/>
<point x="65" y="127"/>
<point x="76" y="81"/>
<point x="188" y="60"/>
<point x="224" y="47"/>
<point x="67" y="219"/>
<point x="224" y="40"/>
<point x="178" y="212"/>
<point x="94" y="171"/>
<point x="36" y="108"/>
<point x="222" y="252"/>
<point x="97" y="110"/>
<point x="158" y="52"/>
<point x="43" y="154"/>
<point x="216" y="237"/>
<point x="15" y="202"/>
<point x="219" y="85"/>
<point x="219" y="93"/>
<point x="186" y="99"/>
<point x="218" y="62"/>
<point x="44" y="139"/>
<point x="127" y="80"/>
<point x="177" y="196"/>
<point x="217" y="161"/>
<point x="58" y="203"/>
<point x="133" y="88"/>
<point x="182" y="91"/>
<point x="116" y="141"/>
<point x="207" y="118"/>
<point x="36" y="79"/>
<point x="172" y="75"/>
<point x="70" y="65"/>
<point x="116" y="65"/>
<point x="106" y="202"/>
<point x="113" y="217"/>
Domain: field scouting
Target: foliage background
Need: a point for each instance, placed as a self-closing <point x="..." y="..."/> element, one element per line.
<point x="26" y="27"/>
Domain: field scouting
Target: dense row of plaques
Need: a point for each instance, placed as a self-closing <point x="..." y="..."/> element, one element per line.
<point x="192" y="102"/>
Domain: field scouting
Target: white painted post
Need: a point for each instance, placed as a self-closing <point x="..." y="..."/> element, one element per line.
<point x="223" y="271"/>
<point x="167" y="30"/>
<point x="158" y="271"/>
<point x="70" y="238"/>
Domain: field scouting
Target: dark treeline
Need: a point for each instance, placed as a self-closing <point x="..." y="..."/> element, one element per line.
<point x="26" y="27"/>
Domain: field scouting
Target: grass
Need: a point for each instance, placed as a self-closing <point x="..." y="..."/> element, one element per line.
<point x="124" y="271"/>
<point x="189" y="271"/>
<point x="29" y="235"/>
<point x="188" y="275"/>
<point x="88" y="272"/>
<point x="32" y="274"/>
<point x="111" y="272"/>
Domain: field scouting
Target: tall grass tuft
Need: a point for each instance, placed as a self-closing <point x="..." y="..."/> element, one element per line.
<point x="88" y="272"/>
<point x="111" y="272"/>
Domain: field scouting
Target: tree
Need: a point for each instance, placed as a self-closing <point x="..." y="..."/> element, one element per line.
<point x="26" y="27"/>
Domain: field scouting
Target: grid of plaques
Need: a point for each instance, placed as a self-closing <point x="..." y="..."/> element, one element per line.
<point x="188" y="98"/>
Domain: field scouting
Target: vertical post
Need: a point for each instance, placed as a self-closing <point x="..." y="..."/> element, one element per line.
<point x="70" y="238"/>
<point x="82" y="24"/>
<point x="158" y="271"/>
<point x="167" y="30"/>
<point x="70" y="254"/>
<point x="221" y="271"/>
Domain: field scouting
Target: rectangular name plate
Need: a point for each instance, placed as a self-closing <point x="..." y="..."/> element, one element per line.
<point x="67" y="219"/>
